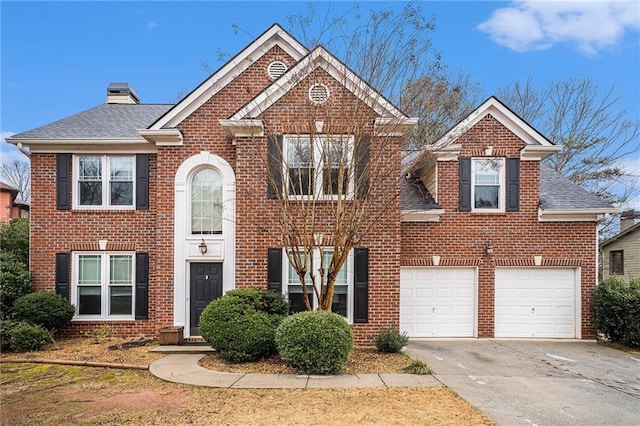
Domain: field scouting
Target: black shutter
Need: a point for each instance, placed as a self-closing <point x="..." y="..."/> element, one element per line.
<point x="513" y="184"/>
<point x="274" y="269"/>
<point x="142" y="286"/>
<point x="63" y="182"/>
<point x="274" y="152"/>
<point x="464" y="193"/>
<point x="63" y="264"/>
<point x="361" y="171"/>
<point x="142" y="182"/>
<point x="361" y="285"/>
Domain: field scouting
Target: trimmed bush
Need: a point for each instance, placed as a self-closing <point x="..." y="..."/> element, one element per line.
<point x="6" y="327"/>
<point x="615" y="309"/>
<point x="28" y="337"/>
<point x="390" y="340"/>
<point x="316" y="342"/>
<point x="14" y="239"/>
<point x="49" y="310"/>
<point x="269" y="301"/>
<point x="237" y="331"/>
<point x="15" y="282"/>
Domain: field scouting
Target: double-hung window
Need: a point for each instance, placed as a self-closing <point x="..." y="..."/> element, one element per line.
<point x="616" y="262"/>
<point x="487" y="187"/>
<point x="319" y="166"/>
<point x="342" y="284"/>
<point x="104" y="181"/>
<point x="104" y="285"/>
<point x="206" y="202"/>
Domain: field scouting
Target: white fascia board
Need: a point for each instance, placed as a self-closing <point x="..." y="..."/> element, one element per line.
<point x="505" y="116"/>
<point x="421" y="215"/>
<point x="242" y="128"/>
<point x="107" y="146"/>
<point x="162" y="137"/>
<point x="538" y="152"/>
<point x="236" y="66"/>
<point x="319" y="58"/>
<point x="445" y="153"/>
<point x="392" y="126"/>
<point x="583" y="215"/>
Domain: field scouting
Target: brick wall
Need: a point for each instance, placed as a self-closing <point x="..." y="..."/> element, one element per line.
<point x="460" y="237"/>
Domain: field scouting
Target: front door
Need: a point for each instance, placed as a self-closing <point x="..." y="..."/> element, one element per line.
<point x="206" y="285"/>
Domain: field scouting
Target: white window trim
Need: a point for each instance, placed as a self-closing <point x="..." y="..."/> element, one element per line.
<point x="104" y="286"/>
<point x="318" y="192"/>
<point x="501" y="191"/>
<point x="105" y="183"/>
<point x="316" y="260"/>
<point x="193" y="173"/>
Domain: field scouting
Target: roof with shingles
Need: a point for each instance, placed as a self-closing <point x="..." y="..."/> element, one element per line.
<point x="559" y="193"/>
<point x="105" y="121"/>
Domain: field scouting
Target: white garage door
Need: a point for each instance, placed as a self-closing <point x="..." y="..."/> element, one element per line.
<point x="437" y="302"/>
<point x="535" y="302"/>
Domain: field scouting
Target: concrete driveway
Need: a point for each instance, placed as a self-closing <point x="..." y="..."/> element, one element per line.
<point x="518" y="382"/>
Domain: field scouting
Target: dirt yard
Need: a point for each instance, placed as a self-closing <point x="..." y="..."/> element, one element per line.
<point x="36" y="394"/>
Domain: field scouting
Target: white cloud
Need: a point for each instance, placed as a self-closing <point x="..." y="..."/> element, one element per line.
<point x="537" y="25"/>
<point x="151" y="25"/>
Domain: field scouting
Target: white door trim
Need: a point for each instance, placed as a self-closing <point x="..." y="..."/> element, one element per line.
<point x="221" y="248"/>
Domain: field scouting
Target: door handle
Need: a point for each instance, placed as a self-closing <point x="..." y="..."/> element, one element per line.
<point x="533" y="310"/>
<point x="433" y="310"/>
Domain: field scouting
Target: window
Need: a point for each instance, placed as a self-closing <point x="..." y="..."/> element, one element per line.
<point x="206" y="202"/>
<point x="616" y="262"/>
<point x="104" y="285"/>
<point x="319" y="166"/>
<point x="488" y="184"/>
<point x="104" y="181"/>
<point x="341" y="294"/>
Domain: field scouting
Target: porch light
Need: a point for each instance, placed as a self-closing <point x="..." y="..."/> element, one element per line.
<point x="488" y="249"/>
<point x="203" y="247"/>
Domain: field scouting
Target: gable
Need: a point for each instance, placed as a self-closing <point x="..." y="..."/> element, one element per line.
<point x="274" y="36"/>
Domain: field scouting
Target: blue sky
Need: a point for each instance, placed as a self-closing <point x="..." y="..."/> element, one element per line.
<point x="57" y="58"/>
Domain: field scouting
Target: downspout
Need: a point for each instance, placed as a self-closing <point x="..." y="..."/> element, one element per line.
<point x="22" y="150"/>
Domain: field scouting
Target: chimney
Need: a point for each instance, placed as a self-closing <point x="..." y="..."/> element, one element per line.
<point x="629" y="218"/>
<point x="121" y="93"/>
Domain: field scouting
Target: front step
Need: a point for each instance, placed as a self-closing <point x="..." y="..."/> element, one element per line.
<point x="184" y="349"/>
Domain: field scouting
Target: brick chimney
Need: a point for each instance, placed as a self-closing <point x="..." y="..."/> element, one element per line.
<point x="121" y="93"/>
<point x="629" y="218"/>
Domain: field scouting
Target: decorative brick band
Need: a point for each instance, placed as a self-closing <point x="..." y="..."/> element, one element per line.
<point x="545" y="262"/>
<point x="428" y="261"/>
<point x="96" y="247"/>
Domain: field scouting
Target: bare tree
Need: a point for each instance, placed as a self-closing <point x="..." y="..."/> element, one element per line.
<point x="440" y="101"/>
<point x="590" y="122"/>
<point x="17" y="173"/>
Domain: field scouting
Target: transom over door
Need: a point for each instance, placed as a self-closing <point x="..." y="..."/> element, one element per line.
<point x="437" y="302"/>
<point x="206" y="285"/>
<point x="535" y="302"/>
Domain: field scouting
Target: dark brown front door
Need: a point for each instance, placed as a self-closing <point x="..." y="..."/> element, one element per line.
<point x="206" y="285"/>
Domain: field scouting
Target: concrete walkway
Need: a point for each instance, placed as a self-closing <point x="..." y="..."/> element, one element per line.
<point x="180" y="365"/>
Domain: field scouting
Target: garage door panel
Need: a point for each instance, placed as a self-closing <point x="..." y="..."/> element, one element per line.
<point x="445" y="306"/>
<point x="535" y="302"/>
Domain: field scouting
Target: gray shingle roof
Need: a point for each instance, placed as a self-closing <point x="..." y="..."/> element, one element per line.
<point x="413" y="194"/>
<point x="559" y="193"/>
<point x="108" y="121"/>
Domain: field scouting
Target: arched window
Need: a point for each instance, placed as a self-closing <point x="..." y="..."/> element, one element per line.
<point x="206" y="202"/>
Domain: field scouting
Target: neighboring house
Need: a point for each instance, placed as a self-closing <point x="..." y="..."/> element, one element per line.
<point x="621" y="253"/>
<point x="11" y="206"/>
<point x="481" y="239"/>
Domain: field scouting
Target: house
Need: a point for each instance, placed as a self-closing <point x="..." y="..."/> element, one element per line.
<point x="11" y="206"/>
<point x="143" y="213"/>
<point x="621" y="253"/>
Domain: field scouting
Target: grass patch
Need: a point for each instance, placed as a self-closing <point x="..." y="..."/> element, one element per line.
<point x="417" y="367"/>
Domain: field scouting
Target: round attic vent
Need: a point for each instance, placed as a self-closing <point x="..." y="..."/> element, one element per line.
<point x="318" y="93"/>
<point x="276" y="69"/>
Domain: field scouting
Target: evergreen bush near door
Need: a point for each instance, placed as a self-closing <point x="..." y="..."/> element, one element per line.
<point x="616" y="310"/>
<point x="315" y="342"/>
<point x="49" y="310"/>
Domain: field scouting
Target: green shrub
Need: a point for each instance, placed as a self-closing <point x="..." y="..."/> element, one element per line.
<point x="49" y="310"/>
<point x="417" y="367"/>
<point x="390" y="340"/>
<point x="26" y="337"/>
<point x="237" y="331"/>
<point x="14" y="239"/>
<point x="269" y="301"/>
<point x="15" y="282"/>
<point x="316" y="342"/>
<point x="6" y="327"/>
<point x="615" y="309"/>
